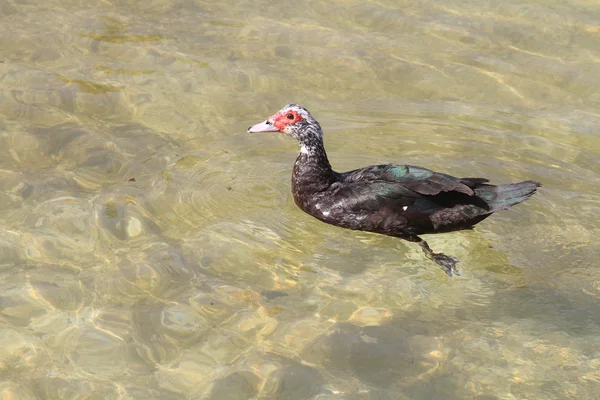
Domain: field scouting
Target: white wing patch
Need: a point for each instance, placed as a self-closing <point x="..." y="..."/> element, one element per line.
<point x="404" y="208"/>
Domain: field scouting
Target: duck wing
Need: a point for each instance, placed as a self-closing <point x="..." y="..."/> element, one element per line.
<point x="417" y="179"/>
<point x="404" y="200"/>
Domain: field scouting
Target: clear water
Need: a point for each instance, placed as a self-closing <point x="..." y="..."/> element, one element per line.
<point x="150" y="248"/>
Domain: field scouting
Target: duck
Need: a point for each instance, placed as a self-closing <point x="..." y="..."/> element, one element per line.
<point x="402" y="201"/>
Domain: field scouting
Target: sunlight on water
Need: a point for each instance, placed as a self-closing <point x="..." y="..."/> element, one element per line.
<point x="150" y="248"/>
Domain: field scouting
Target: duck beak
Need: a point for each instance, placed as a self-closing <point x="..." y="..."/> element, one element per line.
<point x="266" y="126"/>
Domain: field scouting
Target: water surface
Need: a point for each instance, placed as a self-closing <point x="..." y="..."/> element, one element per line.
<point x="150" y="248"/>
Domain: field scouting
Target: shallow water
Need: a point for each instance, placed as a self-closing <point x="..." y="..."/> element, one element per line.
<point x="150" y="248"/>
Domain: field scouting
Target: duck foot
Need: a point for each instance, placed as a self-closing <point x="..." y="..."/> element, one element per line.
<point x="448" y="263"/>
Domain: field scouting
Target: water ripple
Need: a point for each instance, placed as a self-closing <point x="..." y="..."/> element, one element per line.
<point x="150" y="247"/>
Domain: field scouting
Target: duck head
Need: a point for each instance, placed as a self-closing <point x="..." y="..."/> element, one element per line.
<point x="292" y="120"/>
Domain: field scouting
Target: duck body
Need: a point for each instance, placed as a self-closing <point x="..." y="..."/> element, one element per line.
<point x="403" y="201"/>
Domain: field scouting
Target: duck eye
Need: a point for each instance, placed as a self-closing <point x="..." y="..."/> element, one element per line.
<point x="290" y="116"/>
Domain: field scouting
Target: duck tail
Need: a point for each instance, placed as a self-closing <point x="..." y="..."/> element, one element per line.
<point x="505" y="196"/>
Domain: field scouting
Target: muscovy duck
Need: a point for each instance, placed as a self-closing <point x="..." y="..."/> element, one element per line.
<point x="403" y="201"/>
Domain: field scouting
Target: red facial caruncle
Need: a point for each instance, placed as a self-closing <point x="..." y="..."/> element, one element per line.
<point x="280" y="120"/>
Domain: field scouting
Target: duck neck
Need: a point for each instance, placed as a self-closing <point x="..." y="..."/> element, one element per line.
<point x="312" y="171"/>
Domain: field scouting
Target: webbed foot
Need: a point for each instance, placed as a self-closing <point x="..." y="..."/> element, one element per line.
<point x="448" y="263"/>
